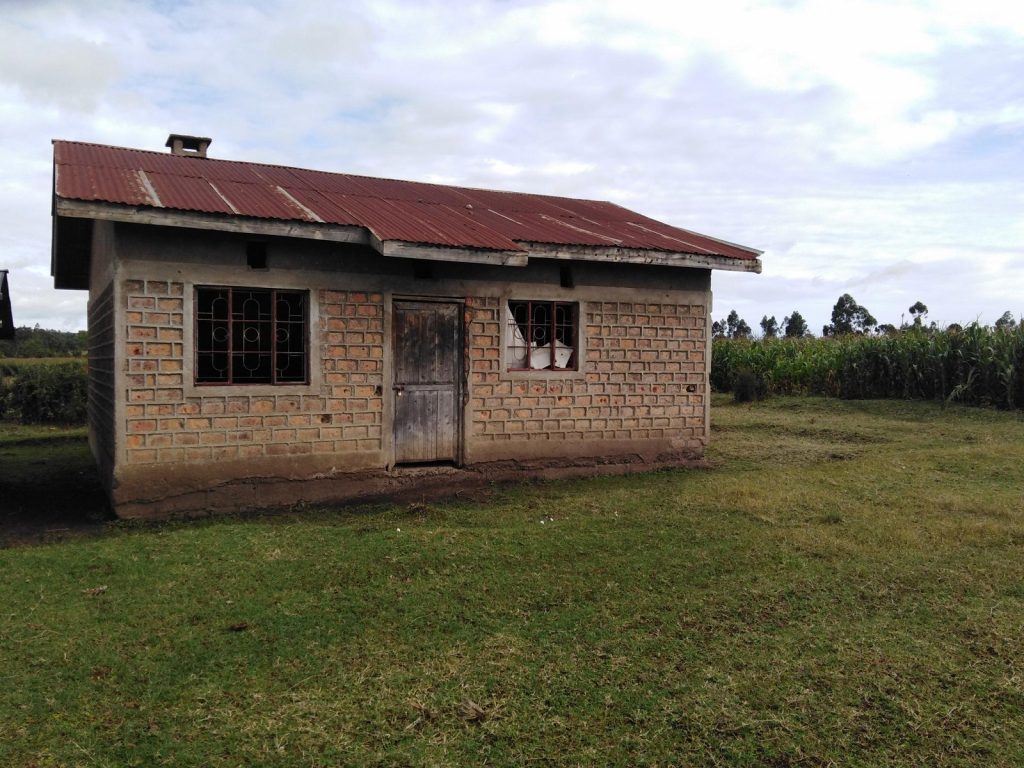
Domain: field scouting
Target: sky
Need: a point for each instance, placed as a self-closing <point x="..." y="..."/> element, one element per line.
<point x="869" y="148"/>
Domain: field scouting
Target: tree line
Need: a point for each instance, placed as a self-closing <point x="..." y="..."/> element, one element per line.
<point x="848" y="318"/>
<point x="43" y="342"/>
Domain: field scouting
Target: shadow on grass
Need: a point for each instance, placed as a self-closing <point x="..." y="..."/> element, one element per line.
<point x="50" y="491"/>
<point x="49" y="488"/>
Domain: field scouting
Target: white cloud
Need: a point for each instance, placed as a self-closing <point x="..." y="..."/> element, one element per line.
<point x="501" y="168"/>
<point x="869" y="147"/>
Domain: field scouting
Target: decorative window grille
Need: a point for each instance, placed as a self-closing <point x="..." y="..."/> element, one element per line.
<point x="541" y="335"/>
<point x="251" y="336"/>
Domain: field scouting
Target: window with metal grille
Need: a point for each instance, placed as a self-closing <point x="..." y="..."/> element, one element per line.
<point x="251" y="336"/>
<point x="541" y="335"/>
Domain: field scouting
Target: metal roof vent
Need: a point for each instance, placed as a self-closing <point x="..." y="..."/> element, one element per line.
<point x="188" y="146"/>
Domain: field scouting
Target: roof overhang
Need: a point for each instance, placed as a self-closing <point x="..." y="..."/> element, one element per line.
<point x="401" y="250"/>
<point x="73" y="229"/>
<point x="71" y="252"/>
<point x="641" y="256"/>
<point x="162" y="217"/>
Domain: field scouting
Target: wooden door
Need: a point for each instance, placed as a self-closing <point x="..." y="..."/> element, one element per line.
<point x="427" y="344"/>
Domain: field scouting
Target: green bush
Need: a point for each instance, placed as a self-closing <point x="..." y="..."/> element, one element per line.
<point x="44" y="342"/>
<point x="748" y="386"/>
<point x="45" y="394"/>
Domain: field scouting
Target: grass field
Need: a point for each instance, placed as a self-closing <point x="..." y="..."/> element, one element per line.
<point x="845" y="587"/>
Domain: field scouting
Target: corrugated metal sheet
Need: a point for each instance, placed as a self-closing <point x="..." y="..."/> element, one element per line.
<point x="102" y="183"/>
<point x="324" y="204"/>
<point x="187" y="193"/>
<point x="262" y="201"/>
<point x="403" y="211"/>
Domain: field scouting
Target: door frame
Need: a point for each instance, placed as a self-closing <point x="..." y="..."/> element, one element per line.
<point x="462" y="379"/>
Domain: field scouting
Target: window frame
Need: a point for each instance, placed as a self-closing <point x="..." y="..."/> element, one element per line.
<point x="274" y="321"/>
<point x="508" y="321"/>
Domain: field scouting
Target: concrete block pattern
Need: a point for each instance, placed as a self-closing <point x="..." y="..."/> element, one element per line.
<point x="643" y="378"/>
<point x="102" y="388"/>
<point x="166" y="419"/>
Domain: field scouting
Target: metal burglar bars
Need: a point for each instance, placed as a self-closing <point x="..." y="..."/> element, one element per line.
<point x="542" y="335"/>
<point x="251" y="336"/>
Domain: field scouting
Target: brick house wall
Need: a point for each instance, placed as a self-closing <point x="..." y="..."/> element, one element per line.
<point x="641" y="361"/>
<point x="164" y="424"/>
<point x="102" y="405"/>
<point x="640" y="391"/>
<point x="102" y="389"/>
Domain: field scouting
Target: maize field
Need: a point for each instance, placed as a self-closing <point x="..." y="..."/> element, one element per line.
<point x="975" y="365"/>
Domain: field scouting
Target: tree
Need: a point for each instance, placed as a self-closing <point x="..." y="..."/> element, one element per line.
<point x="718" y="329"/>
<point x="849" y="317"/>
<point x="43" y="342"/>
<point x="1006" y="321"/>
<point x="769" y="327"/>
<point x="918" y="310"/>
<point x="736" y="326"/>
<point x="795" y="327"/>
<point x="887" y="329"/>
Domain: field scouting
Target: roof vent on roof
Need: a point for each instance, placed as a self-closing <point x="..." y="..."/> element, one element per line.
<point x="190" y="146"/>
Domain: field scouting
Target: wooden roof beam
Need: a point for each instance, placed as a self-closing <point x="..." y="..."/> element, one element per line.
<point x="619" y="255"/>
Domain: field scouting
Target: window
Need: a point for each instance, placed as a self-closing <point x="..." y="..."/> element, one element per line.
<point x="541" y="335"/>
<point x="251" y="336"/>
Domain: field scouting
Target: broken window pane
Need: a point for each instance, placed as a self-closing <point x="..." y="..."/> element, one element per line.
<point x="541" y="335"/>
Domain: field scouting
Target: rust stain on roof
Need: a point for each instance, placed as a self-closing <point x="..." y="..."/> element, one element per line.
<point x="403" y="211"/>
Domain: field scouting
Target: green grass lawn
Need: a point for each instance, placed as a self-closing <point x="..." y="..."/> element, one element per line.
<point x="845" y="587"/>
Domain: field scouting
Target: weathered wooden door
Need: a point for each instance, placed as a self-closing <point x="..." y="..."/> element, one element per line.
<point x="427" y="344"/>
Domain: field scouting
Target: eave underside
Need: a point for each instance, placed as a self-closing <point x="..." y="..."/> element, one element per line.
<point x="73" y="220"/>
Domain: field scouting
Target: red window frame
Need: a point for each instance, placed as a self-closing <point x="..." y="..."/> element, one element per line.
<point x="217" y="336"/>
<point x="526" y="316"/>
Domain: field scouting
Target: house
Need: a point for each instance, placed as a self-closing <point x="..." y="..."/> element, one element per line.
<point x="264" y="335"/>
<point x="6" y="316"/>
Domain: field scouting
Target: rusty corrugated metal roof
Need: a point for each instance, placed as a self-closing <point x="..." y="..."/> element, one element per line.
<point x="400" y="211"/>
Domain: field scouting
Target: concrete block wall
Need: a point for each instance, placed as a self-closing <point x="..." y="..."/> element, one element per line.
<point x="102" y="406"/>
<point x="643" y="379"/>
<point x="642" y="360"/>
<point x="168" y="420"/>
<point x="353" y="361"/>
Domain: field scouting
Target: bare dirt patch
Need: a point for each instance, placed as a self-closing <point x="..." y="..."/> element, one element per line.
<point x="49" y="489"/>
